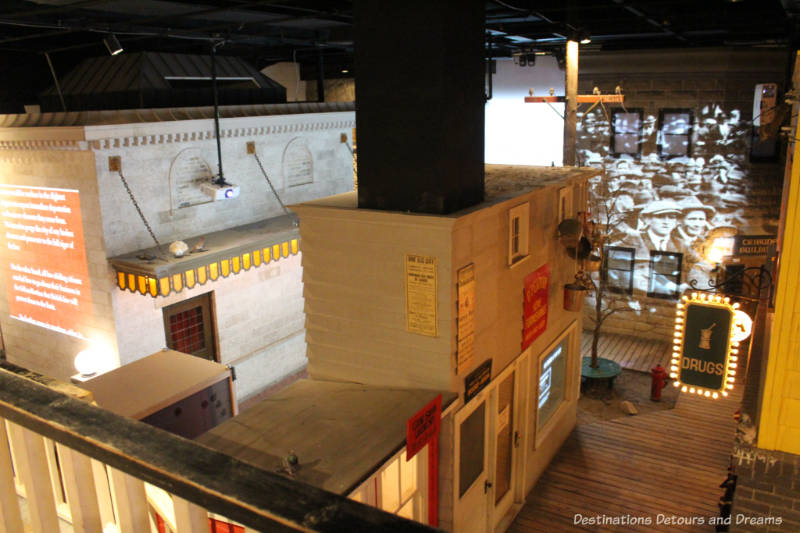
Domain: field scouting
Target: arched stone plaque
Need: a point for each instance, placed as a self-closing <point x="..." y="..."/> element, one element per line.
<point x="298" y="163"/>
<point x="187" y="172"/>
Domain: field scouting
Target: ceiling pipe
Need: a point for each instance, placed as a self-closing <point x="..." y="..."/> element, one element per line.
<point x="650" y="21"/>
<point x="55" y="79"/>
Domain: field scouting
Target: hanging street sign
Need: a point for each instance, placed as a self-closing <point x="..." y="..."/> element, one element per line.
<point x="705" y="352"/>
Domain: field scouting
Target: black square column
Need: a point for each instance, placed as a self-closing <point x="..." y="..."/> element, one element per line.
<point x="420" y="104"/>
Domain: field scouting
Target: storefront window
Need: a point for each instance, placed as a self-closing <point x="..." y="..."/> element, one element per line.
<point x="618" y="270"/>
<point x="665" y="274"/>
<point x="626" y="133"/>
<point x="552" y="382"/>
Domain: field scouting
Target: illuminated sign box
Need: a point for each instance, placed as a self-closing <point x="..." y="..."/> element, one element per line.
<point x="705" y="352"/>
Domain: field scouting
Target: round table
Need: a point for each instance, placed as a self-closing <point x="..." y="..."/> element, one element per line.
<point x="606" y="369"/>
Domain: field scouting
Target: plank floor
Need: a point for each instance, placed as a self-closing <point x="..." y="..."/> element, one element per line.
<point x="633" y="353"/>
<point x="669" y="463"/>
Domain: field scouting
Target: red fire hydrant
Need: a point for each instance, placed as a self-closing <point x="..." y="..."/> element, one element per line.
<point x="659" y="379"/>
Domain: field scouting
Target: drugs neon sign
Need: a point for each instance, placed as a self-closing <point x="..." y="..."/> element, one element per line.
<point x="705" y="352"/>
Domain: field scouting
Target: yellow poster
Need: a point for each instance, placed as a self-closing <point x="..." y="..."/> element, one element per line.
<point x="421" y="294"/>
<point x="466" y="318"/>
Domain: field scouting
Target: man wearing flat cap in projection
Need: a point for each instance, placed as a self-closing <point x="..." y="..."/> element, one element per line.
<point x="658" y="219"/>
<point x="694" y="222"/>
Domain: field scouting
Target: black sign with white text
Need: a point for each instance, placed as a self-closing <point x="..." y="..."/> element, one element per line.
<point x="706" y="344"/>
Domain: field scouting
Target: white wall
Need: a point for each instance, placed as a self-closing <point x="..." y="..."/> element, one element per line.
<point x="288" y="75"/>
<point x="149" y="152"/>
<point x="259" y="323"/>
<point x="258" y="313"/>
<point x="519" y="133"/>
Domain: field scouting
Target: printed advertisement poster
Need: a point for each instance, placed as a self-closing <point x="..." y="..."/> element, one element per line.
<point x="43" y="256"/>
<point x="466" y="318"/>
<point x="534" y="314"/>
<point x="421" y="294"/>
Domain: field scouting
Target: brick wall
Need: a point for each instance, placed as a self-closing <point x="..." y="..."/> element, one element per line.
<point x="259" y="323"/>
<point x="158" y="158"/>
<point x="767" y="491"/>
<point x="258" y="314"/>
<point x="717" y="87"/>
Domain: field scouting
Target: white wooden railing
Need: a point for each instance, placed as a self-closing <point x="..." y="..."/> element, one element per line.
<point x="67" y="462"/>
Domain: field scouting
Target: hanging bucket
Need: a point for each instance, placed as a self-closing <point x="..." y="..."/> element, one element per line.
<point x="573" y="296"/>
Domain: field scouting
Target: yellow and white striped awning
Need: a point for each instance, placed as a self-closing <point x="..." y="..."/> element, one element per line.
<point x="223" y="253"/>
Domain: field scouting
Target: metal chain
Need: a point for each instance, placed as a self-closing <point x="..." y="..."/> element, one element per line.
<point x="139" y="210"/>
<point x="355" y="163"/>
<point x="270" y="183"/>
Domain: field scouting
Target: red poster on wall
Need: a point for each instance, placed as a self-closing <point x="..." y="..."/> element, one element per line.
<point x="43" y="258"/>
<point x="423" y="426"/>
<point x="534" y="312"/>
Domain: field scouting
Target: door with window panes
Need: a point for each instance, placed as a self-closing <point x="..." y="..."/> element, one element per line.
<point x="504" y="444"/>
<point x="487" y="446"/>
<point x="471" y="466"/>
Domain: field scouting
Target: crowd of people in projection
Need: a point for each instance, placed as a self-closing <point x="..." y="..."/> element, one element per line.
<point x="670" y="205"/>
<point x="668" y="225"/>
<point x="675" y="221"/>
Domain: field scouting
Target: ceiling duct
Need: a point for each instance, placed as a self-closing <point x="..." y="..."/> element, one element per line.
<point x="153" y="80"/>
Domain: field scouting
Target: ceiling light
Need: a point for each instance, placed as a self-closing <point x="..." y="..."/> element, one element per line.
<point x="345" y="71"/>
<point x="585" y="40"/>
<point x="112" y="44"/>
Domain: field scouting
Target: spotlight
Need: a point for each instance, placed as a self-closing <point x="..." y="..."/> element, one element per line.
<point x="112" y="44"/>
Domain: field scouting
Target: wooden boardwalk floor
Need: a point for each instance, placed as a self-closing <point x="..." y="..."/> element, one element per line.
<point x="669" y="463"/>
<point x="630" y="352"/>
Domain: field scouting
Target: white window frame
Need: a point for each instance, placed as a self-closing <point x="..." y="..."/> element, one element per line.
<point x="370" y="491"/>
<point x="519" y="222"/>
<point x="565" y="209"/>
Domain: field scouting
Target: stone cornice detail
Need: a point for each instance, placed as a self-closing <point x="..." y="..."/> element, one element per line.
<point x="114" y="136"/>
<point x="208" y="134"/>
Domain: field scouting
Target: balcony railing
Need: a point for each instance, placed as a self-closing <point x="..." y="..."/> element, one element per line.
<point x="68" y="460"/>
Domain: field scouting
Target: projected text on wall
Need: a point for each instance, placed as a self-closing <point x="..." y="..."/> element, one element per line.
<point x="47" y="280"/>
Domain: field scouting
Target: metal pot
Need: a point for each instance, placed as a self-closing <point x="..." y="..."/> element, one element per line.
<point x="574" y="294"/>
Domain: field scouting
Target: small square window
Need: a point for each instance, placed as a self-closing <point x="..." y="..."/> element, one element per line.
<point x="665" y="274"/>
<point x="626" y="132"/>
<point x="518" y="231"/>
<point x="675" y="133"/>
<point x="618" y="269"/>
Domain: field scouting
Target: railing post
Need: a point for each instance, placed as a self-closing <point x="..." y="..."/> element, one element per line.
<point x="31" y="458"/>
<point x="10" y="520"/>
<point x="189" y="518"/>
<point x="131" y="502"/>
<point x="81" y="493"/>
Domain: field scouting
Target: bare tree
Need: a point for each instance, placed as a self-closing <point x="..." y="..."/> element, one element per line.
<point x="603" y="227"/>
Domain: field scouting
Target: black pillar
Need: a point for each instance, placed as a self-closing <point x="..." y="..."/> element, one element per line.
<point x="419" y="104"/>
<point x="320" y="77"/>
